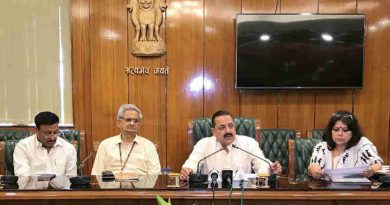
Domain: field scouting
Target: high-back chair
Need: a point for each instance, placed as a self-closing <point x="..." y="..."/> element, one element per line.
<point x="317" y="133"/>
<point x="77" y="138"/>
<point x="201" y="127"/>
<point x="274" y="143"/>
<point x="17" y="135"/>
<point x="300" y="153"/>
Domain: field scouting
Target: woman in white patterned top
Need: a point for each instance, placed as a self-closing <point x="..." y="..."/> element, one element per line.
<point x="344" y="146"/>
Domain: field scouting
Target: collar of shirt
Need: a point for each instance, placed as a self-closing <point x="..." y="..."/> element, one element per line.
<point x="118" y="139"/>
<point x="39" y="144"/>
<point x="229" y="147"/>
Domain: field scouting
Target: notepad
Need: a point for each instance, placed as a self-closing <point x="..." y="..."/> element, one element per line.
<point x="126" y="177"/>
<point x="46" y="177"/>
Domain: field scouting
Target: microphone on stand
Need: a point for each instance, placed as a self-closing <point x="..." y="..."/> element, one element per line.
<point x="82" y="180"/>
<point x="198" y="177"/>
<point x="272" y="177"/>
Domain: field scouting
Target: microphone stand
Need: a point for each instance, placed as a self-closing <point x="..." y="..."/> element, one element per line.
<point x="82" y="180"/>
<point x="272" y="177"/>
<point x="199" y="177"/>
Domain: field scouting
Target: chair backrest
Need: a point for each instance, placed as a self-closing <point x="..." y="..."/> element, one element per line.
<point x="300" y="154"/>
<point x="201" y="127"/>
<point x="6" y="135"/>
<point x="77" y="138"/>
<point x="317" y="133"/>
<point x="274" y="143"/>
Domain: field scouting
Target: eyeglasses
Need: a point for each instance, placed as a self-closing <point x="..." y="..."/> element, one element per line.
<point x="223" y="127"/>
<point x="128" y="120"/>
<point x="336" y="114"/>
<point x="55" y="134"/>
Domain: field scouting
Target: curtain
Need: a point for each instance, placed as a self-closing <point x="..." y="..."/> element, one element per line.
<point x="35" y="60"/>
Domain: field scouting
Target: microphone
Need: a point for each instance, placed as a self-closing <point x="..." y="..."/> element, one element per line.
<point x="82" y="180"/>
<point x="271" y="178"/>
<point x="82" y="164"/>
<point x="269" y="164"/>
<point x="7" y="179"/>
<point x="214" y="177"/>
<point x="198" y="177"/>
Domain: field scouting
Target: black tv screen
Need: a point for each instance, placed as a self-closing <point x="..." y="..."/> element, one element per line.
<point x="299" y="51"/>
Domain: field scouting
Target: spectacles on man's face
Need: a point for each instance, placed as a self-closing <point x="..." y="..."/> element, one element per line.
<point x="128" y="120"/>
<point x="345" y="115"/>
<point x="223" y="127"/>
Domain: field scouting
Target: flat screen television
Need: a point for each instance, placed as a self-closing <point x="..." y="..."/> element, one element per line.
<point x="299" y="51"/>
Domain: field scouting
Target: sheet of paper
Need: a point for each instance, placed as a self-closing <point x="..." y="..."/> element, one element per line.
<point x="346" y="171"/>
<point x="347" y="175"/>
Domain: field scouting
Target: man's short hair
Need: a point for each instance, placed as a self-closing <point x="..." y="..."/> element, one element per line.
<point x="219" y="113"/>
<point x="46" y="118"/>
<point x="125" y="107"/>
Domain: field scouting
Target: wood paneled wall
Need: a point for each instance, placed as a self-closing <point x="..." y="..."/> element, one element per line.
<point x="200" y="37"/>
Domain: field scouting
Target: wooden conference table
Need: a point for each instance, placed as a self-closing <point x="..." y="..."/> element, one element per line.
<point x="59" y="191"/>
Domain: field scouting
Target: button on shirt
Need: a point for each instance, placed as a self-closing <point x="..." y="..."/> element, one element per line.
<point x="143" y="158"/>
<point x="30" y="158"/>
<point x="235" y="159"/>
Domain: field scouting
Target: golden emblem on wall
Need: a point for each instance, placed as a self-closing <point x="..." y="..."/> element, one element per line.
<point x="147" y="16"/>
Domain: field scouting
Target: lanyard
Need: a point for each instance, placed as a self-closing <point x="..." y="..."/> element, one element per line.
<point x="127" y="158"/>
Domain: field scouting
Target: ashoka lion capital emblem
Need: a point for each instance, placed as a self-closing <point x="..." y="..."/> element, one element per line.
<point x="147" y="16"/>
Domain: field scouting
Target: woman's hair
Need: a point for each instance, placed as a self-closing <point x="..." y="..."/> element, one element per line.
<point x="352" y="123"/>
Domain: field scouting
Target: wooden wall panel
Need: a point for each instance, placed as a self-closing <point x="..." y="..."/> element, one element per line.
<point x="260" y="6"/>
<point x="198" y="49"/>
<point x="108" y="60"/>
<point x="81" y="71"/>
<point x="260" y="104"/>
<point x="148" y="92"/>
<point x="327" y="102"/>
<point x="219" y="57"/>
<point x="184" y="30"/>
<point x="296" y="108"/>
<point x="372" y="103"/>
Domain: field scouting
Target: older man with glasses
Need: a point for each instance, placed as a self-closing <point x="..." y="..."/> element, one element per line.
<point x="45" y="152"/>
<point x="127" y="152"/>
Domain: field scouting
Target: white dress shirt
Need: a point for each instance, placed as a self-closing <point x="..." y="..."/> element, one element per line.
<point x="364" y="153"/>
<point x="143" y="159"/>
<point x="30" y="158"/>
<point x="234" y="160"/>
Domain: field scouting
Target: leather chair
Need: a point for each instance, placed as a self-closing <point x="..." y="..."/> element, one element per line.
<point x="77" y="138"/>
<point x="300" y="153"/>
<point x="274" y="143"/>
<point x="6" y="135"/>
<point x="317" y="133"/>
<point x="201" y="127"/>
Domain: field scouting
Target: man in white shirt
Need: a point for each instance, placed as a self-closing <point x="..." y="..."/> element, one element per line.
<point x="127" y="152"/>
<point x="45" y="152"/>
<point x="224" y="136"/>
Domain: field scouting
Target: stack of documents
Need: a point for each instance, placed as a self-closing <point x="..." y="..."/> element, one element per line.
<point x="347" y="175"/>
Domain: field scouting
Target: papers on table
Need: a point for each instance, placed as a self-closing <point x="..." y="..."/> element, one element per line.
<point x="347" y="175"/>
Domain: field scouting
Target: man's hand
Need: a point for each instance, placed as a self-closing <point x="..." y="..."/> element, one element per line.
<point x="184" y="173"/>
<point x="276" y="167"/>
